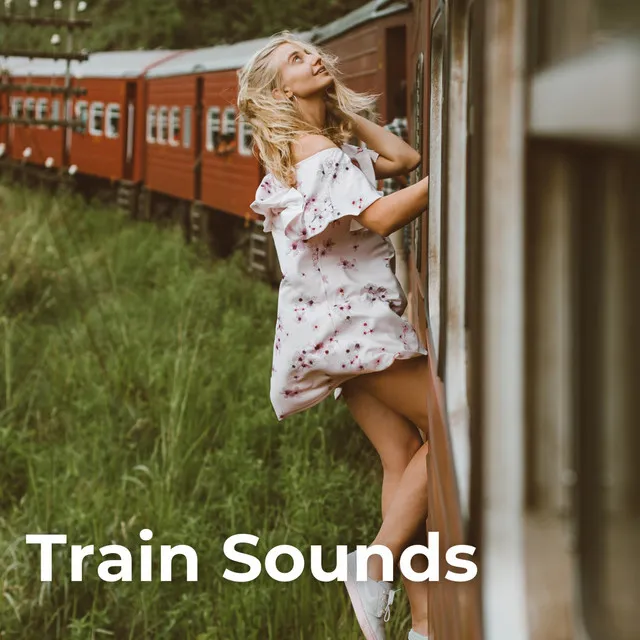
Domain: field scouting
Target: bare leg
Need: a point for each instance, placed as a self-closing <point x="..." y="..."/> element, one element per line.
<point x="404" y="497"/>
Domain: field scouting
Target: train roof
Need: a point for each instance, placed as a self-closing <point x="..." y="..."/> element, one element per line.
<point x="101" y="64"/>
<point x="120" y="64"/>
<point x="39" y="67"/>
<point x="11" y="63"/>
<point x="371" y="11"/>
<point x="219" y="58"/>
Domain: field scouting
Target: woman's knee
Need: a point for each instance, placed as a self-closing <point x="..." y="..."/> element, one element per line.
<point x="395" y="459"/>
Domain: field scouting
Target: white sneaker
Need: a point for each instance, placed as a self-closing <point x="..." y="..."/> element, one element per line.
<point x="371" y="601"/>
<point x="414" y="635"/>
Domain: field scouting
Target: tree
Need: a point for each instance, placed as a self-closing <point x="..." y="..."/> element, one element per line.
<point x="179" y="24"/>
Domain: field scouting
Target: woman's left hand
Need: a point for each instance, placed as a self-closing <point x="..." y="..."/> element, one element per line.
<point x="396" y="156"/>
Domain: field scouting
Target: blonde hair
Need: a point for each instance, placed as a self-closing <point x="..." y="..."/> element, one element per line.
<point x="277" y="123"/>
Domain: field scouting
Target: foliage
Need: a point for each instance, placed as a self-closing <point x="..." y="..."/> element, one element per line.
<point x="134" y="394"/>
<point x="176" y="24"/>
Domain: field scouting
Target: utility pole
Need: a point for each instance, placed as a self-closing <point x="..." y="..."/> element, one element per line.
<point x="32" y="13"/>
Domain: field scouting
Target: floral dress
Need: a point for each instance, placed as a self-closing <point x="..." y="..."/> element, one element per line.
<point x="340" y="305"/>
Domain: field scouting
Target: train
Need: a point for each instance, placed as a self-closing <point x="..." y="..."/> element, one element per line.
<point x="520" y="274"/>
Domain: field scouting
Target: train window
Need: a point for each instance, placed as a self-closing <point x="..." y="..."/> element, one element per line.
<point x="213" y="128"/>
<point x="228" y="142"/>
<point x="16" y="107"/>
<point x="113" y="121"/>
<point x="152" y="125"/>
<point x="82" y="111"/>
<point x="96" y="118"/>
<point x="30" y="108"/>
<point x="55" y="111"/>
<point x="175" y="127"/>
<point x="163" y="125"/>
<point x="229" y="122"/>
<point x="186" y="128"/>
<point x="246" y="138"/>
<point x="42" y="109"/>
<point x="131" y="125"/>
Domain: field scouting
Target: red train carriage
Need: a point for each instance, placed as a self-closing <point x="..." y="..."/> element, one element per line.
<point x="229" y="171"/>
<point x="209" y="159"/>
<point x="113" y="108"/>
<point x="198" y="151"/>
<point x="170" y="149"/>
<point x="38" y="144"/>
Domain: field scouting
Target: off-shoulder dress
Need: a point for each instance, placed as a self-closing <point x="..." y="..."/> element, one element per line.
<point x="340" y="304"/>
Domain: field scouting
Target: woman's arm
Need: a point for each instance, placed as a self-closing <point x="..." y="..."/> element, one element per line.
<point x="392" y="212"/>
<point x="396" y="156"/>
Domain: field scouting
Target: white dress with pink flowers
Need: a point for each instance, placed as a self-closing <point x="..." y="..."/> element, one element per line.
<point x="340" y="305"/>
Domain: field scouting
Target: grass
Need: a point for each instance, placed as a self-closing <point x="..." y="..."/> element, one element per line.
<point x="134" y="393"/>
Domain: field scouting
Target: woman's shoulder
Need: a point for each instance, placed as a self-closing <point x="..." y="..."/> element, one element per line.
<point x="309" y="145"/>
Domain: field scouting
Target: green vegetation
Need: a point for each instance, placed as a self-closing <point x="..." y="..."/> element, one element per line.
<point x="148" y="24"/>
<point x="134" y="380"/>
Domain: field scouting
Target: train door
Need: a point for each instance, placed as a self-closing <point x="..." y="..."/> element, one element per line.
<point x="396" y="73"/>
<point x="130" y="122"/>
<point x="199" y="130"/>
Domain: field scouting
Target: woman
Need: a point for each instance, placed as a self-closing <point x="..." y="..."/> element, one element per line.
<point x="339" y="325"/>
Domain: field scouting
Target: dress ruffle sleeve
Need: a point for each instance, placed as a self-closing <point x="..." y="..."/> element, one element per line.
<point x="272" y="199"/>
<point x="332" y="186"/>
